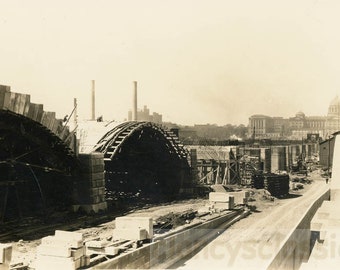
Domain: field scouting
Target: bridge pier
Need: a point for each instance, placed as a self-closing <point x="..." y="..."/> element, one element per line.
<point x="89" y="189"/>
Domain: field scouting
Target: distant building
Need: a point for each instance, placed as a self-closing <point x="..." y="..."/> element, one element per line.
<point x="333" y="117"/>
<point x="297" y="127"/>
<point x="260" y="126"/>
<point x="144" y="115"/>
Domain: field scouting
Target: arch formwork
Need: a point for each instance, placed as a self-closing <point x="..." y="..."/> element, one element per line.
<point x="143" y="159"/>
<point x="38" y="169"/>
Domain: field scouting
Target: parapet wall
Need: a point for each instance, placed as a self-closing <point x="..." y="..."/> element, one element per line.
<point x="295" y="249"/>
<point x="166" y="251"/>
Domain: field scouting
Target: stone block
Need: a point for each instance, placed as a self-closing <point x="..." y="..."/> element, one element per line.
<point x="204" y="209"/>
<point x="57" y="251"/>
<point x="136" y="223"/>
<point x="135" y="234"/>
<point x="85" y="261"/>
<point x="231" y="202"/>
<point x="49" y="262"/>
<point x="77" y="253"/>
<point x="97" y="244"/>
<point x="88" y="208"/>
<point x="239" y="197"/>
<point x="111" y="250"/>
<point x="69" y="235"/>
<point x="218" y="197"/>
<point x="5" y="253"/>
<point x="63" y="242"/>
<point x="221" y="205"/>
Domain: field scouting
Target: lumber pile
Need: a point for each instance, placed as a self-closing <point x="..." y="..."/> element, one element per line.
<point x="277" y="184"/>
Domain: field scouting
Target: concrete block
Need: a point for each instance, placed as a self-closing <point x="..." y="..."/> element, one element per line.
<point x="221" y="205"/>
<point x="111" y="250"/>
<point x="231" y="202"/>
<point x="97" y="244"/>
<point x="218" y="197"/>
<point x="88" y="208"/>
<point x="136" y="223"/>
<point x="49" y="262"/>
<point x="77" y="253"/>
<point x="69" y="235"/>
<point x="63" y="242"/>
<point x="130" y="234"/>
<point x="239" y="197"/>
<point x="57" y="251"/>
<point x="204" y="209"/>
<point x="5" y="253"/>
<point x="85" y="261"/>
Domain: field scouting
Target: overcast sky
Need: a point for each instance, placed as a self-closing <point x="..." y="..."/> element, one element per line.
<point x="196" y="62"/>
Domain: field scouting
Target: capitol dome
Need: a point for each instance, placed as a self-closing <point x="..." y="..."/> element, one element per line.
<point x="300" y="115"/>
<point x="334" y="106"/>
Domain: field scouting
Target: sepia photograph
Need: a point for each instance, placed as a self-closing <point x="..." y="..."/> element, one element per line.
<point x="169" y="134"/>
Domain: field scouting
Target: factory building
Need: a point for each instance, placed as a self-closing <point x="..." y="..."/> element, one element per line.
<point x="144" y="115"/>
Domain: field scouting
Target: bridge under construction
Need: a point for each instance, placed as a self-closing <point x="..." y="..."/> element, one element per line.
<point x="45" y="169"/>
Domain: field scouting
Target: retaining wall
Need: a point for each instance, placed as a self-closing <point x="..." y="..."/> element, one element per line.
<point x="168" y="250"/>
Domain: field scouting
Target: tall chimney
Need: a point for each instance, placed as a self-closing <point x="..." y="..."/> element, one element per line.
<point x="134" y="108"/>
<point x="93" y="102"/>
<point x="75" y="115"/>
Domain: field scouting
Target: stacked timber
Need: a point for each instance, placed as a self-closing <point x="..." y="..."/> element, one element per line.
<point x="257" y="181"/>
<point x="277" y="184"/>
<point x="91" y="187"/>
<point x="65" y="250"/>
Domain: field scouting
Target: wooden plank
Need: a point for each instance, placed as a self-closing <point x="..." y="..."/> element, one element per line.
<point x="12" y="100"/>
<point x="20" y="106"/>
<point x="30" y="113"/>
<point x="27" y="105"/>
<point x="51" y="120"/>
<point x="17" y="104"/>
<point x="44" y="119"/>
<point x="4" y="96"/>
<point x="40" y="110"/>
<point x="56" y="125"/>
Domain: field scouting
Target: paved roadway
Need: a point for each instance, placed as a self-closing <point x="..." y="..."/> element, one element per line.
<point x="251" y="246"/>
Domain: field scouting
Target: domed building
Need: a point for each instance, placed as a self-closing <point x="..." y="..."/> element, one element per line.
<point x="298" y="126"/>
<point x="333" y="117"/>
<point x="333" y="109"/>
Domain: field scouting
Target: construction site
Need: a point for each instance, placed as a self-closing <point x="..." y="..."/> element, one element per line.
<point x="107" y="195"/>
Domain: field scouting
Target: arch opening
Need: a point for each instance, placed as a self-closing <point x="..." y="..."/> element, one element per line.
<point x="145" y="163"/>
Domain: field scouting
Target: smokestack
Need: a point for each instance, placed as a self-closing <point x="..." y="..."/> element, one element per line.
<point x="75" y="112"/>
<point x="93" y="102"/>
<point x="134" y="108"/>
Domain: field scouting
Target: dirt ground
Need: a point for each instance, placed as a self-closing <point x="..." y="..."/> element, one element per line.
<point x="260" y="205"/>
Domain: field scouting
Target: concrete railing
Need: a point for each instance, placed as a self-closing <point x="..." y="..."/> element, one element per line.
<point x="295" y="248"/>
